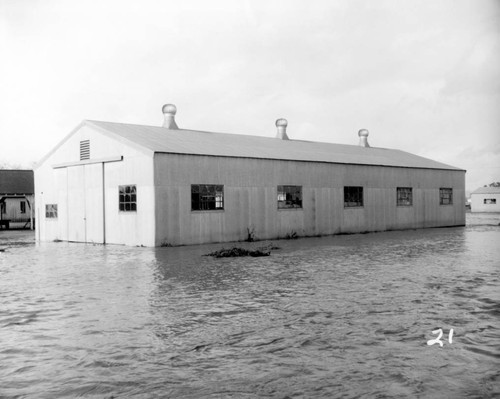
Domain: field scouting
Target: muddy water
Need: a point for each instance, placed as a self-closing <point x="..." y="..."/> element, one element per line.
<point x="332" y="317"/>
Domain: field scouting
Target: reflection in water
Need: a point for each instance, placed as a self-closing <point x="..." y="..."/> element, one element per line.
<point x="343" y="316"/>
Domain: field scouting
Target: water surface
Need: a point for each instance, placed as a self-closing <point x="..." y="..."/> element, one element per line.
<point x="343" y="316"/>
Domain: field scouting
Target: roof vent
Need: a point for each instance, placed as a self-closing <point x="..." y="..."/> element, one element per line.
<point x="169" y="111"/>
<point x="281" y="124"/>
<point x="363" y="138"/>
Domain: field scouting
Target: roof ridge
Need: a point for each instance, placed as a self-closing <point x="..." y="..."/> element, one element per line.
<point x="253" y="136"/>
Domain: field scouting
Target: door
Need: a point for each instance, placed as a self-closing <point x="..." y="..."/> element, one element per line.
<point x="76" y="204"/>
<point x="94" y="202"/>
<point x="85" y="204"/>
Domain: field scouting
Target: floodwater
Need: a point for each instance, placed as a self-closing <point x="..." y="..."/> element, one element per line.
<point x="332" y="317"/>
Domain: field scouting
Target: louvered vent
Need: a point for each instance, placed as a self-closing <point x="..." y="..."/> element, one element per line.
<point x="84" y="150"/>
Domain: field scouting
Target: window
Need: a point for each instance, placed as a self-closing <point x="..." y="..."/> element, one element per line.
<point x="490" y="201"/>
<point x="128" y="198"/>
<point x="2" y="207"/>
<point x="353" y="197"/>
<point x="404" y="196"/>
<point x="289" y="197"/>
<point x="22" y="205"/>
<point x="207" y="197"/>
<point x="445" y="196"/>
<point x="51" y="211"/>
<point x="84" y="150"/>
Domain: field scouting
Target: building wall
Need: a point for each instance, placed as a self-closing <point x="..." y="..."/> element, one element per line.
<point x="86" y="211"/>
<point x="12" y="209"/>
<point x="478" y="202"/>
<point x="250" y="199"/>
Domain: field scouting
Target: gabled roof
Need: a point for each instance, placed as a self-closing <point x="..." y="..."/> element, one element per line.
<point x="194" y="142"/>
<point x="16" y="181"/>
<point x="487" y="190"/>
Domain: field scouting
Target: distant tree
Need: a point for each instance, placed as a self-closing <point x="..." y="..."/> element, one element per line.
<point x="6" y="165"/>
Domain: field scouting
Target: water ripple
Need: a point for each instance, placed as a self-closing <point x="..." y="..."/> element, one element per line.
<point x="345" y="316"/>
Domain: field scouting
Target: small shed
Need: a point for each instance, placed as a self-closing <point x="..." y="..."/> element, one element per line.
<point x="17" y="197"/>
<point x="485" y="199"/>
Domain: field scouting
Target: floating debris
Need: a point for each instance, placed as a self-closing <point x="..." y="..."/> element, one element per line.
<point x="236" y="252"/>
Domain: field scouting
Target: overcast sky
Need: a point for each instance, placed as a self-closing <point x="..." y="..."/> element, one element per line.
<point x="421" y="76"/>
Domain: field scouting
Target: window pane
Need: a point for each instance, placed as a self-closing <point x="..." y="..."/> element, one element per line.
<point x="353" y="197"/>
<point x="289" y="197"/>
<point x="51" y="210"/>
<point x="445" y="196"/>
<point x="127" y="198"/>
<point x="205" y="197"/>
<point x="404" y="196"/>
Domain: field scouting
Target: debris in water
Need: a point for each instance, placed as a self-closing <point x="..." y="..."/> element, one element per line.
<point x="235" y="252"/>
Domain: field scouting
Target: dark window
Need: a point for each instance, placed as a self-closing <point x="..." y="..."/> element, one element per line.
<point x="51" y="211"/>
<point x="289" y="197"/>
<point x="353" y="197"/>
<point x="404" y="196"/>
<point x="84" y="150"/>
<point x="490" y="201"/>
<point x="445" y="196"/>
<point x="128" y="198"/>
<point x="207" y="197"/>
<point x="23" y="206"/>
<point x="2" y="207"/>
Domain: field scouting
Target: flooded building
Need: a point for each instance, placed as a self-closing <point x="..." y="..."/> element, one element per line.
<point x="144" y="185"/>
<point x="16" y="198"/>
<point x="485" y="199"/>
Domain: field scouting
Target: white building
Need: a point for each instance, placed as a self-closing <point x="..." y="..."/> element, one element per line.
<point x="143" y="185"/>
<point x="485" y="199"/>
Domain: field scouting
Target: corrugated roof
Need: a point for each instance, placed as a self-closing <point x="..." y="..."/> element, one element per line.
<point x="487" y="190"/>
<point x="181" y="141"/>
<point x="16" y="181"/>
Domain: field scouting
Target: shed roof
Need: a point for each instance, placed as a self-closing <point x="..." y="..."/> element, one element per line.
<point x="16" y="181"/>
<point x="487" y="190"/>
<point x="195" y="142"/>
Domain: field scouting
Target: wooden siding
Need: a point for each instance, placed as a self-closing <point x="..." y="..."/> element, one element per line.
<point x="12" y="207"/>
<point x="250" y="198"/>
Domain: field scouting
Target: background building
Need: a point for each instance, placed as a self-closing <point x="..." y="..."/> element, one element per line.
<point x="16" y="198"/>
<point x="485" y="199"/>
<point x="144" y="185"/>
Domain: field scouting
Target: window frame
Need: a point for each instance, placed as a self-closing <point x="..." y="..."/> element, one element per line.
<point x="289" y="196"/>
<point x="445" y="196"/>
<point x="51" y="211"/>
<point x="127" y="198"/>
<point x="22" y="206"/>
<point x="402" y="199"/>
<point x="356" y="203"/>
<point x="489" y="201"/>
<point x="207" y="197"/>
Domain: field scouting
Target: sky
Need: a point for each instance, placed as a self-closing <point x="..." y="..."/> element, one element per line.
<point x="423" y="76"/>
